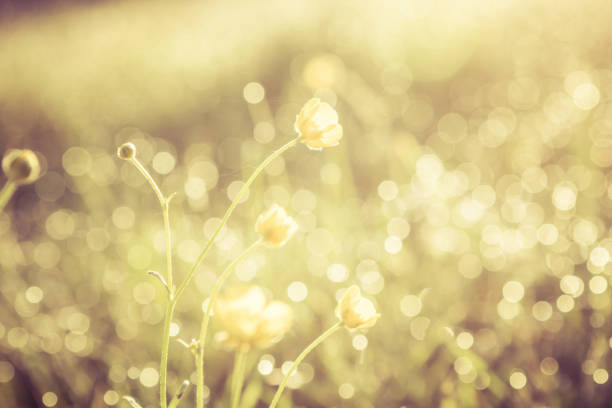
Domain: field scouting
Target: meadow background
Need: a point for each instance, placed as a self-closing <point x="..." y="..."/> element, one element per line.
<point x="470" y="197"/>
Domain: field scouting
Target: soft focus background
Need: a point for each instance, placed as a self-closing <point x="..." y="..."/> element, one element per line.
<point x="470" y="198"/>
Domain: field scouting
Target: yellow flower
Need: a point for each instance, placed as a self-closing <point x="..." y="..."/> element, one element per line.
<point x="355" y="311"/>
<point x="275" y="226"/>
<point x="249" y="320"/>
<point x="317" y="123"/>
<point x="21" y="166"/>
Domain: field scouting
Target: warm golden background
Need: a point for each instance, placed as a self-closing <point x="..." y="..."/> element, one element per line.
<point x="471" y="196"/>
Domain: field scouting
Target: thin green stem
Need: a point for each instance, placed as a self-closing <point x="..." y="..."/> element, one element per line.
<point x="229" y="212"/>
<point x="6" y="193"/>
<point x="211" y="303"/>
<point x="148" y="177"/>
<point x="166" y="212"/>
<point x="238" y="375"/>
<point x="163" y="365"/>
<point x="164" y="203"/>
<point x="301" y="357"/>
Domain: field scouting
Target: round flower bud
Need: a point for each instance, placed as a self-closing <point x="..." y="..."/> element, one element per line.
<point x="275" y="226"/>
<point x="21" y="166"/>
<point x="355" y="311"/>
<point x="126" y="151"/>
<point x="317" y="123"/>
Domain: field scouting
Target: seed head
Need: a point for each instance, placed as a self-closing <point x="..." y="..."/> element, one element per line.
<point x="21" y="166"/>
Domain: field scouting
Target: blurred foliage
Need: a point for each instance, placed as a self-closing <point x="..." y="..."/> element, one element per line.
<point x="470" y="197"/>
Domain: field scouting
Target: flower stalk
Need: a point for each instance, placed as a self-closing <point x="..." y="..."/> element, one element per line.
<point x="127" y="152"/>
<point x="163" y="366"/>
<point x="6" y="193"/>
<point x="164" y="203"/>
<point x="230" y="210"/>
<point x="238" y="375"/>
<point x="211" y="302"/>
<point x="301" y="357"/>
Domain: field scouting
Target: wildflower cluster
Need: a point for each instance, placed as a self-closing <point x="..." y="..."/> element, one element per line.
<point x="247" y="318"/>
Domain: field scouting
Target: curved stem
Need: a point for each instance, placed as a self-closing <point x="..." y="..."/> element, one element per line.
<point x="164" y="203"/>
<point x="238" y="376"/>
<point x="229" y="211"/>
<point x="301" y="357"/>
<point x="6" y="193"/>
<point x="203" y="330"/>
<point x="148" y="177"/>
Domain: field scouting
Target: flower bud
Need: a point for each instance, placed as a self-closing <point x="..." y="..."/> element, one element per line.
<point x="21" y="166"/>
<point x="126" y="151"/>
<point x="275" y="226"/>
<point x="317" y="123"/>
<point x="248" y="320"/>
<point x="355" y="311"/>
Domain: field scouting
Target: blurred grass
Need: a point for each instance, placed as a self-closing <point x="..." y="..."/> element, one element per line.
<point x="402" y="205"/>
